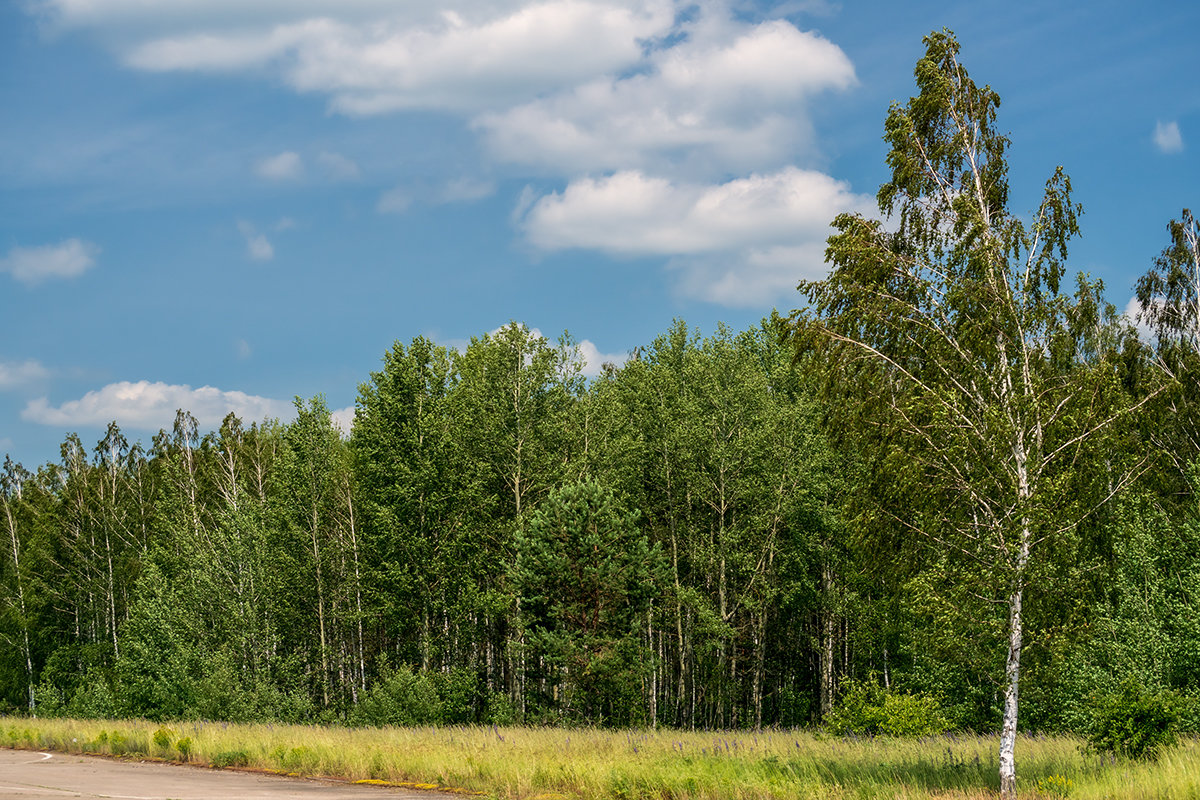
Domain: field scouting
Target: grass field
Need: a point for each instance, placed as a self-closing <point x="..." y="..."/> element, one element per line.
<point x="585" y="764"/>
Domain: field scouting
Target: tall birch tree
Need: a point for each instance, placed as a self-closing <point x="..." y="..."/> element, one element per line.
<point x="997" y="379"/>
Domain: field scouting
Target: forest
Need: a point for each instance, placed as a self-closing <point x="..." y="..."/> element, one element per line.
<point x="957" y="471"/>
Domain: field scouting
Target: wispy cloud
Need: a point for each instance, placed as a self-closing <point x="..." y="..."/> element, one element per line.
<point x="33" y="265"/>
<point x="147" y="406"/>
<point x="285" y="166"/>
<point x="258" y="247"/>
<point x="465" y="190"/>
<point x="394" y="201"/>
<point x="401" y="198"/>
<point x="1167" y="137"/>
<point x="14" y="374"/>
<point x="338" y="167"/>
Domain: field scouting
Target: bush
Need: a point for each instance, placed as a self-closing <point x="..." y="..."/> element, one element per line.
<point x="162" y="738"/>
<point x="499" y="710"/>
<point x="400" y="697"/>
<point x="866" y="708"/>
<point x="457" y="690"/>
<point x="1134" y="721"/>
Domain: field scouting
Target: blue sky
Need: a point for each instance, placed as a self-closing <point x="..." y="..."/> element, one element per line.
<point x="222" y="205"/>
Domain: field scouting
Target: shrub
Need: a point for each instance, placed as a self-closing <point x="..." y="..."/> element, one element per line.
<point x="185" y="748"/>
<point x="866" y="708"/>
<point x="1134" y="721"/>
<point x="162" y="738"/>
<point x="499" y="710"/>
<point x="400" y="697"/>
<point x="119" y="744"/>
<point x="457" y="691"/>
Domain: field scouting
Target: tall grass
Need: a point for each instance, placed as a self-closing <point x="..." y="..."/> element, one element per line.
<point x="586" y="764"/>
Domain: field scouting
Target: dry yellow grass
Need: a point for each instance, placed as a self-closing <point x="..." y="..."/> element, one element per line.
<point x="586" y="764"/>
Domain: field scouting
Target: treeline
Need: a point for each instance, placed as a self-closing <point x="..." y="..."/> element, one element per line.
<point x="498" y="539"/>
<point x="953" y="481"/>
<point x="693" y="539"/>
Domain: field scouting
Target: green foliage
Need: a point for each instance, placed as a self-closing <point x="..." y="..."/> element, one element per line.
<point x="866" y="708"/>
<point x="186" y="747"/>
<point x="1134" y="721"/>
<point x="77" y="681"/>
<point x="499" y="709"/>
<point x="231" y="758"/>
<point x="586" y="574"/>
<point x="162" y="737"/>
<point x="399" y="697"/>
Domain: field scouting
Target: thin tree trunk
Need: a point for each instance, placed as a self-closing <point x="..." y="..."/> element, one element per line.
<point x="681" y="692"/>
<point x="321" y="613"/>
<point x="362" y="661"/>
<point x="1012" y="675"/>
<point x="16" y="555"/>
<point x="653" y="666"/>
<point x="759" y="662"/>
<point x="826" y="658"/>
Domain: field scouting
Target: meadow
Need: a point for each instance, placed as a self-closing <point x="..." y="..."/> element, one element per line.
<point x="588" y="764"/>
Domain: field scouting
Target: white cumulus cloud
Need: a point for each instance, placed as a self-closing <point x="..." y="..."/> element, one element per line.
<point x="16" y="374"/>
<point x="282" y="167"/>
<point x="728" y="97"/>
<point x="343" y="419"/>
<point x="741" y="242"/>
<point x="33" y="265"/>
<point x="677" y="126"/>
<point x="372" y="58"/>
<point x="594" y="360"/>
<point x="1133" y="312"/>
<point x="1167" y="137"/>
<point x="147" y="406"/>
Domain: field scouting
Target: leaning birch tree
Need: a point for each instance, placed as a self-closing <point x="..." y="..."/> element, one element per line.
<point x="995" y="381"/>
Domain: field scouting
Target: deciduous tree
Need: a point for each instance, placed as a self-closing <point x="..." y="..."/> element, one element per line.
<point x="996" y="378"/>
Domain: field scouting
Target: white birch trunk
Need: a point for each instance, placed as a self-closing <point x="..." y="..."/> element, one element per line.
<point x="1012" y="675"/>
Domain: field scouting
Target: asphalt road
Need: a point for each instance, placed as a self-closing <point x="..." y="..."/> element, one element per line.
<point x="29" y="774"/>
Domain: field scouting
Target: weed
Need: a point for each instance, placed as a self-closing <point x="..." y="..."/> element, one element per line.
<point x="162" y="738"/>
<point x="185" y="748"/>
